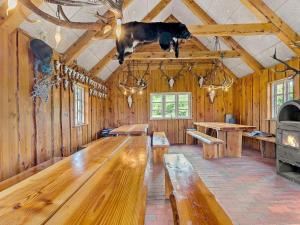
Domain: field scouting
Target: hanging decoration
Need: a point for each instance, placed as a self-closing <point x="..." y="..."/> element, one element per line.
<point x="43" y="69"/>
<point x="216" y="77"/>
<point x="133" y="33"/>
<point x="171" y="78"/>
<point x="72" y="76"/>
<point x="61" y="18"/>
<point x="134" y="82"/>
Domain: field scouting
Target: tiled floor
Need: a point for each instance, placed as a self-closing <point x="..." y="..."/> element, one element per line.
<point x="248" y="189"/>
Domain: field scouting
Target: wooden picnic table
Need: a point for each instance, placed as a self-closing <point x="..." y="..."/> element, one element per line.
<point x="101" y="184"/>
<point x="231" y="134"/>
<point x="132" y="129"/>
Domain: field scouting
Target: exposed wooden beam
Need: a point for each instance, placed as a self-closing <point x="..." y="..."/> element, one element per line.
<point x="109" y="56"/>
<point x="15" y="17"/>
<point x="206" y="19"/>
<point x="84" y="40"/>
<point x="233" y="29"/>
<point x="196" y="55"/>
<point x="287" y="35"/>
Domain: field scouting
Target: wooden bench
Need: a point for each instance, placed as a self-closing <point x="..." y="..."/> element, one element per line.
<point x="191" y="201"/>
<point x="160" y="146"/>
<point x="210" y="144"/>
<point x="27" y="173"/>
<point x="267" y="145"/>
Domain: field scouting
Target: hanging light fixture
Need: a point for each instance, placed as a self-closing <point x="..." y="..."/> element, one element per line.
<point x="119" y="28"/>
<point x="57" y="36"/>
<point x="216" y="78"/>
<point x="11" y="4"/>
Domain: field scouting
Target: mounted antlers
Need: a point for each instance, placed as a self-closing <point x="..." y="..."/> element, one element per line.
<point x="287" y="66"/>
<point x="171" y="79"/>
<point x="200" y="78"/>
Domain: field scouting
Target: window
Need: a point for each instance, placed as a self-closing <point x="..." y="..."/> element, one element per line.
<point x="79" y="105"/>
<point x="170" y="105"/>
<point x="282" y="91"/>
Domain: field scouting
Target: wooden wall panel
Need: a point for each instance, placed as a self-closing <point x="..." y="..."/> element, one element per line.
<point x="34" y="132"/>
<point x="118" y="112"/>
<point x="252" y="108"/>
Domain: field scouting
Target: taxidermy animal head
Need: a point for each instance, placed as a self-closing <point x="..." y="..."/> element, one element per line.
<point x="167" y="34"/>
<point x="42" y="57"/>
<point x="171" y="79"/>
<point x="212" y="96"/>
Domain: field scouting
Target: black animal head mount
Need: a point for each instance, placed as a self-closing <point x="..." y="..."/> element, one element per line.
<point x="171" y="78"/>
<point x="167" y="34"/>
<point x="42" y="57"/>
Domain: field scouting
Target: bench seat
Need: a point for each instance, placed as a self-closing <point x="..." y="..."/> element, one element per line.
<point x="160" y="146"/>
<point x="210" y="144"/>
<point x="191" y="200"/>
<point x="267" y="145"/>
<point x="27" y="173"/>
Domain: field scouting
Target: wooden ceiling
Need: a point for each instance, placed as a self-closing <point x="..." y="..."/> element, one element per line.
<point x="193" y="50"/>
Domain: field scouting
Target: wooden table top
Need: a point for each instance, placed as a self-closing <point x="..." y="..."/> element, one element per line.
<point x="194" y="202"/>
<point x="133" y="129"/>
<point x="224" y="126"/>
<point x="37" y="198"/>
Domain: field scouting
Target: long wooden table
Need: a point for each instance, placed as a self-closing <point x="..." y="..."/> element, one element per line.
<point x="231" y="134"/>
<point x="102" y="184"/>
<point x="133" y="129"/>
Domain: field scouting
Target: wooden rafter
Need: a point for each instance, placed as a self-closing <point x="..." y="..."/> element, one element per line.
<point x="16" y="16"/>
<point x="109" y="56"/>
<point x="206" y="19"/>
<point x="233" y="29"/>
<point x="191" y="55"/>
<point x="287" y="35"/>
<point x="84" y="40"/>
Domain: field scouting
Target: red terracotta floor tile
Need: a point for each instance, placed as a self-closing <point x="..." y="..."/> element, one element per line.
<point x="248" y="189"/>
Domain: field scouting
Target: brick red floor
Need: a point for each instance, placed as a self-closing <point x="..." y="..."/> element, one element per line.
<point x="248" y="189"/>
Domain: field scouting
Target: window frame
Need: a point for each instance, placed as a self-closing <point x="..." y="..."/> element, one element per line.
<point x="164" y="94"/>
<point x="285" y="94"/>
<point x="84" y="110"/>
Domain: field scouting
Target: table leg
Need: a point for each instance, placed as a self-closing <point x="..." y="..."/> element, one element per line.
<point x="222" y="148"/>
<point x="234" y="144"/>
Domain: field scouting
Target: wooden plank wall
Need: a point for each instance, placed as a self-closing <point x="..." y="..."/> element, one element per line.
<point x="118" y="112"/>
<point x="34" y="132"/>
<point x="251" y="98"/>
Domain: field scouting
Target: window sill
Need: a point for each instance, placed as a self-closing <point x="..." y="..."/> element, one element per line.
<point x="80" y="125"/>
<point x="188" y="118"/>
<point x="271" y="119"/>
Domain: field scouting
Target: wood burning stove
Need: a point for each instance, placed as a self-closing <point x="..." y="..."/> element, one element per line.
<point x="288" y="141"/>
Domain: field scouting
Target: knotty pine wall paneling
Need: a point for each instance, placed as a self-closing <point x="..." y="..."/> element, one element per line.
<point x="118" y="113"/>
<point x="33" y="132"/>
<point x="251" y="102"/>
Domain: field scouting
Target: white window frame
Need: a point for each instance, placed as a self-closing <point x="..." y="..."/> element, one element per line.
<point x="79" y="102"/>
<point x="285" y="94"/>
<point x="163" y="94"/>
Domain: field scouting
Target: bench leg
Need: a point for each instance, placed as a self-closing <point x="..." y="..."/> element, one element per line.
<point x="268" y="150"/>
<point x="158" y="154"/>
<point x="174" y="210"/>
<point x="168" y="185"/>
<point x="210" y="151"/>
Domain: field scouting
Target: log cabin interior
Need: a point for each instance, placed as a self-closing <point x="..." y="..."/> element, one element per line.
<point x="156" y="112"/>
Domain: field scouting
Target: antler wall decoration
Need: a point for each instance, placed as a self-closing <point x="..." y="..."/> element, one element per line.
<point x="200" y="77"/>
<point x="134" y="82"/>
<point x="171" y="78"/>
<point x="287" y="67"/>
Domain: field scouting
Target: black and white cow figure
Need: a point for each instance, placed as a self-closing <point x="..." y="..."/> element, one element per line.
<point x="167" y="34"/>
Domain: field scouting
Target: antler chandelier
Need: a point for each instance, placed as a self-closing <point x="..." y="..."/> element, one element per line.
<point x="61" y="18"/>
<point x="134" y="82"/>
<point x="216" y="77"/>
